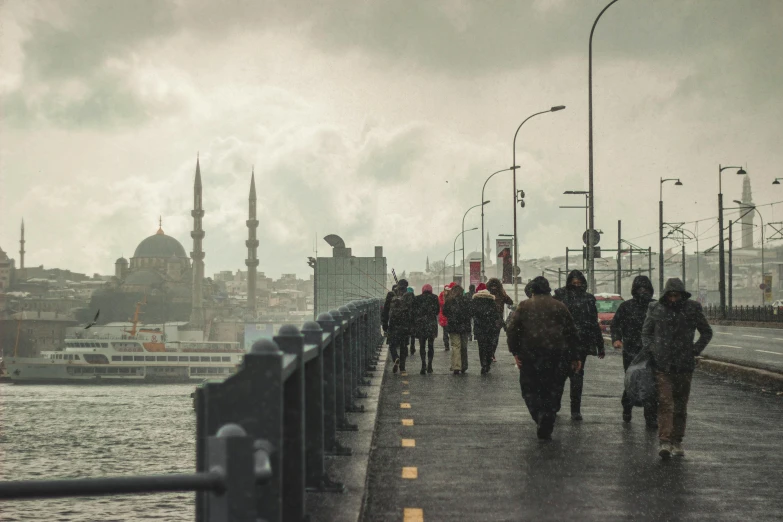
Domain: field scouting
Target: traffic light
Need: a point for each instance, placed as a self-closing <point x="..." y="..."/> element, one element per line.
<point x="520" y="198"/>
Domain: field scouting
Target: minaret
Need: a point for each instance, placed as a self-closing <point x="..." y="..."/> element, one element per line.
<point x="489" y="251"/>
<point x="252" y="247"/>
<point x="748" y="218"/>
<point x="21" y="249"/>
<point x="197" y="255"/>
<point x="427" y="269"/>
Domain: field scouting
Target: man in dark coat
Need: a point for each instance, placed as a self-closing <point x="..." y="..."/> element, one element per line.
<point x="385" y="312"/>
<point x="581" y="305"/>
<point x="485" y="325"/>
<point x="457" y="311"/>
<point x="427" y="309"/>
<point x="543" y="338"/>
<point x="400" y="324"/>
<point x="668" y="334"/>
<point x="627" y="336"/>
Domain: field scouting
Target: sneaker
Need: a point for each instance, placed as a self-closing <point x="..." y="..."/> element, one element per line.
<point x="677" y="450"/>
<point x="446" y="349"/>
<point x="423" y="371"/>
<point x="665" y="450"/>
<point x="627" y="416"/>
<point x="651" y="425"/>
<point x="429" y="368"/>
<point x="396" y="365"/>
<point x="576" y="416"/>
<point x="546" y="424"/>
<point x="456" y="372"/>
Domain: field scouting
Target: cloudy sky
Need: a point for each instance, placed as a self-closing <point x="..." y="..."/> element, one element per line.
<point x="378" y="121"/>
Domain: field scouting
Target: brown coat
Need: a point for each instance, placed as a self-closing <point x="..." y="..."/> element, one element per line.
<point x="542" y="326"/>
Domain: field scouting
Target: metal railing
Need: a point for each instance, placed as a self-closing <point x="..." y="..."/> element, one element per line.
<point x="263" y="434"/>
<point x="758" y="314"/>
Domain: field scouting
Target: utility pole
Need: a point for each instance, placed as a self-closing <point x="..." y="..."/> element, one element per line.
<point x="731" y="275"/>
<point x="619" y="288"/>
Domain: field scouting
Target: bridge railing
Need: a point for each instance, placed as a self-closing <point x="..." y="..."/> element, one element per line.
<point x="263" y="434"/>
<point x="758" y="314"/>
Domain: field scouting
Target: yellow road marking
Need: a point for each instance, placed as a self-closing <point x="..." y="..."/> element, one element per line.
<point x="408" y="443"/>
<point x="410" y="473"/>
<point x="403" y="374"/>
<point x="405" y="382"/>
<point x="406" y="393"/>
<point x="407" y="422"/>
<point x="405" y="405"/>
<point x="413" y="515"/>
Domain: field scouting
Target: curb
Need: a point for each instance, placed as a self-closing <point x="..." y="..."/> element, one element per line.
<point x="772" y="381"/>
<point x="746" y="324"/>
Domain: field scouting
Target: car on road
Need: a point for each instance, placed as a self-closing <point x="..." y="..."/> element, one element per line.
<point x="607" y="305"/>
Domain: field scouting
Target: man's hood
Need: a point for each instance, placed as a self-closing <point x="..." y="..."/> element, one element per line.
<point x="578" y="275"/>
<point x="674" y="285"/>
<point x="483" y="294"/>
<point x="641" y="282"/>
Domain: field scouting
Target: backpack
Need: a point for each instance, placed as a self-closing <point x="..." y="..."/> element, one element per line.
<point x="400" y="310"/>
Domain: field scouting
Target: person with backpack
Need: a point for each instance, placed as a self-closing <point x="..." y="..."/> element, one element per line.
<point x="457" y="311"/>
<point x="385" y="312"/>
<point x="471" y="293"/>
<point x="584" y="311"/>
<point x="426" y="311"/>
<point x="544" y="341"/>
<point x="442" y="321"/>
<point x="627" y="336"/>
<point x="485" y="325"/>
<point x="400" y="324"/>
<point x="668" y="336"/>
<point x="413" y="333"/>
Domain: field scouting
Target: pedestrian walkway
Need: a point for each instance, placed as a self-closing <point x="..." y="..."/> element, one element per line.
<point x="451" y="448"/>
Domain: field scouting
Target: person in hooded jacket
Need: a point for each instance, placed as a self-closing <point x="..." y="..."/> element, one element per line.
<point x="485" y="325"/>
<point x="471" y="293"/>
<point x="668" y="334"/>
<point x="627" y="336"/>
<point x="544" y="341"/>
<point x="385" y="312"/>
<point x="442" y="321"/>
<point x="413" y="335"/>
<point x="582" y="307"/>
<point x="427" y="309"/>
<point x="457" y="311"/>
<point x="400" y="324"/>
<point x="502" y="300"/>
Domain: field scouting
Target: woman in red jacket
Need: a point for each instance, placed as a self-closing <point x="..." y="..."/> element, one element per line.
<point x="442" y="321"/>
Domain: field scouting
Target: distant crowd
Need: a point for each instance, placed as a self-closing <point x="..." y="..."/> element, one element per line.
<point x="551" y="337"/>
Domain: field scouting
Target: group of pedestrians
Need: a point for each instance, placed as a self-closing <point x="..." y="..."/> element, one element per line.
<point x="462" y="316"/>
<point x="551" y="337"/>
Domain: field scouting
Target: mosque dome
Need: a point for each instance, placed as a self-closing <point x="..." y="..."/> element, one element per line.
<point x="161" y="246"/>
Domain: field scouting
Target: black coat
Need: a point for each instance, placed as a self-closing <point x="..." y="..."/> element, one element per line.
<point x="401" y="318"/>
<point x="629" y="318"/>
<point x="385" y="311"/>
<point x="485" y="315"/>
<point x="426" y="310"/>
<point x="669" y="331"/>
<point x="457" y="310"/>
<point x="582" y="307"/>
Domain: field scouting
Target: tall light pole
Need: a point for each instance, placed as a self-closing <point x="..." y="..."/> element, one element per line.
<point x="721" y="250"/>
<point x="483" y="274"/>
<point x="591" y="199"/>
<point x="454" y="267"/>
<point x="443" y="270"/>
<point x="514" y="164"/>
<point x="483" y="202"/>
<point x="660" y="232"/>
<point x="749" y="208"/>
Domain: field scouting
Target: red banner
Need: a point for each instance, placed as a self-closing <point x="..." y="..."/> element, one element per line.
<point x="475" y="272"/>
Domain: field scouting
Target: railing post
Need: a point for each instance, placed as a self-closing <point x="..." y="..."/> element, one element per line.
<point x="315" y="385"/>
<point x="291" y="342"/>
<point x="331" y="444"/>
<point x="358" y="373"/>
<point x="342" y="382"/>
<point x="231" y="452"/>
<point x="350" y="389"/>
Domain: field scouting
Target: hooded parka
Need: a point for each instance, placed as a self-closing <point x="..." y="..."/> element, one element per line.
<point x="581" y="305"/>
<point x="629" y="318"/>
<point x="426" y="311"/>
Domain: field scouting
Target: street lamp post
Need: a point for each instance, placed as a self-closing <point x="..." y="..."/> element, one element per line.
<point x="463" y="234"/>
<point x="483" y="273"/>
<point x="454" y="268"/>
<point x="443" y="270"/>
<point x="514" y="164"/>
<point x="591" y="204"/>
<point x="721" y="250"/>
<point x="753" y="207"/>
<point x="660" y="231"/>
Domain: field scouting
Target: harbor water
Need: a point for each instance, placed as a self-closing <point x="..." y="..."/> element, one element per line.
<point x="69" y="431"/>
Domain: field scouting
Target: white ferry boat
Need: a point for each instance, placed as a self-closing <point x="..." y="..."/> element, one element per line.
<point x="127" y="360"/>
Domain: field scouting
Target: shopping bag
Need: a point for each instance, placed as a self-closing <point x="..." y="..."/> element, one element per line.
<point x="639" y="380"/>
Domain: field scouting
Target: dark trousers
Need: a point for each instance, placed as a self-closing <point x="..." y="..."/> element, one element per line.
<point x="487" y="344"/>
<point x="674" y="389"/>
<point x="541" y="381"/>
<point x="398" y="348"/>
<point x="430" y="343"/>
<point x="413" y="344"/>
<point x="446" y="336"/>
<point x="651" y="407"/>
<point x="577" y="384"/>
<point x="495" y="344"/>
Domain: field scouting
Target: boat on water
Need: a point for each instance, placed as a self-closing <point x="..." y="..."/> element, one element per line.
<point x="139" y="355"/>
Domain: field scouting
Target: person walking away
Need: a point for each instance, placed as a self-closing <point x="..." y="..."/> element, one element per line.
<point x="485" y="325"/>
<point x="385" y="312"/>
<point x="502" y="300"/>
<point x="400" y="324"/>
<point x="668" y="334"/>
<point x="582" y="307"/>
<point x="413" y="333"/>
<point x="427" y="309"/>
<point x="471" y="293"/>
<point x="442" y="321"/>
<point x="627" y="336"/>
<point x="544" y="341"/>
<point x="457" y="311"/>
